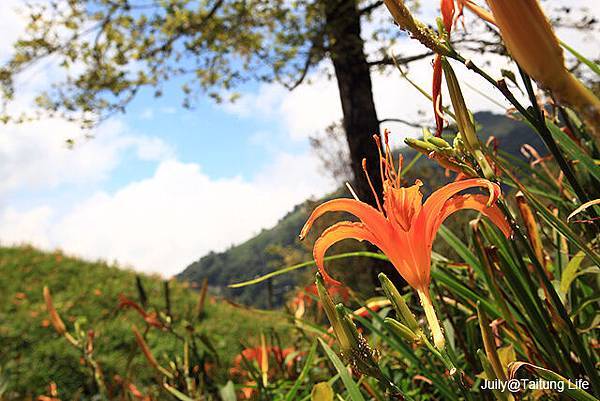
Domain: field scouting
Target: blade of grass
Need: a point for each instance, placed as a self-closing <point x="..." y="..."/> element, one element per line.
<point x="570" y="390"/>
<point x="461" y="249"/>
<point x="304" y="264"/>
<point x="290" y="396"/>
<point x="573" y="150"/>
<point x="349" y="383"/>
<point x="593" y="66"/>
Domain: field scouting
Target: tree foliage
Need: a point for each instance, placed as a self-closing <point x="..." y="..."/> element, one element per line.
<point x="108" y="50"/>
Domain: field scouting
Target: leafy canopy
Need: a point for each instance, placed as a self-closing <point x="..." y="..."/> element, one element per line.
<point x="108" y="50"/>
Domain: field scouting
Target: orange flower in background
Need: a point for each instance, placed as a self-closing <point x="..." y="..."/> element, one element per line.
<point x="404" y="229"/>
<point x="307" y="297"/>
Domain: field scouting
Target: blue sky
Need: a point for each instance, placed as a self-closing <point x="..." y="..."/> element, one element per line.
<point x="160" y="185"/>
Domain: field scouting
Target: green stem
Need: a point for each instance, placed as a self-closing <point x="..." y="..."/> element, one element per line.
<point x="540" y="125"/>
<point x="439" y="349"/>
<point x="536" y="119"/>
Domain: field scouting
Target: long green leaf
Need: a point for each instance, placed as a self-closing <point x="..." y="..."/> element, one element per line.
<point x="570" y="272"/>
<point x="350" y="384"/>
<point x="463" y="251"/>
<point x="561" y="226"/>
<point x="570" y="390"/>
<point x="304" y="264"/>
<point x="465" y="293"/>
<point x="307" y="365"/>
<point x="593" y="66"/>
<point x="573" y="150"/>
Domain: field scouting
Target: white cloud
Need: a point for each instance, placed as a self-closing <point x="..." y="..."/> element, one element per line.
<point x="165" y="222"/>
<point x="160" y="223"/>
<point x="301" y="112"/>
<point x="25" y="226"/>
<point x="36" y="156"/>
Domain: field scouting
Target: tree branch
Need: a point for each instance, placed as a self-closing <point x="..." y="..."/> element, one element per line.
<point x="370" y="7"/>
<point x="399" y="60"/>
<point x="303" y="73"/>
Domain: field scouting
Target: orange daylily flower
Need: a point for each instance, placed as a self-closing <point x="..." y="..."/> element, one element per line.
<point x="405" y="227"/>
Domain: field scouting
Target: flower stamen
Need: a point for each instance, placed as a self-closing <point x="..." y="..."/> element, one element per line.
<point x="364" y="167"/>
<point x="378" y="142"/>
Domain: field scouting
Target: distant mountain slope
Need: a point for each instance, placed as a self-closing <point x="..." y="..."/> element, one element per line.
<point x="272" y="248"/>
<point x="254" y="257"/>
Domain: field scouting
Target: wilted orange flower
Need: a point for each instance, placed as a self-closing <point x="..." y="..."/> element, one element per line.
<point x="405" y="227"/>
<point x="447" y="8"/>
<point x="55" y="319"/>
<point x="150" y="318"/>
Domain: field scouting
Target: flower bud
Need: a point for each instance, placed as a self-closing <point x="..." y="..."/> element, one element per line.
<point x="402" y="310"/>
<point x="418" y="30"/>
<point x="360" y="355"/>
<point x="343" y="338"/>
<point x="464" y="121"/>
<point x="401" y="330"/>
<point x="438" y="142"/>
<point x="420" y="146"/>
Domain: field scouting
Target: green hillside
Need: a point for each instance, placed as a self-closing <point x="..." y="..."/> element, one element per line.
<point x="279" y="246"/>
<point x="32" y="354"/>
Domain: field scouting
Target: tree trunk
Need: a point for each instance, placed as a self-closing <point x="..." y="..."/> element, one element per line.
<point x="359" y="116"/>
<point x="354" y="83"/>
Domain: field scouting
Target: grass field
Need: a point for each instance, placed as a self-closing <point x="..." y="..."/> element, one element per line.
<point x="32" y="354"/>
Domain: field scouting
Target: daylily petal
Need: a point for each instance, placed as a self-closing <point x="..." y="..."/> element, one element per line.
<point x="370" y="216"/>
<point x="411" y="256"/>
<point x="334" y="234"/>
<point x="436" y="201"/>
<point x="403" y="205"/>
<point x="475" y="202"/>
<point x="434" y="204"/>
